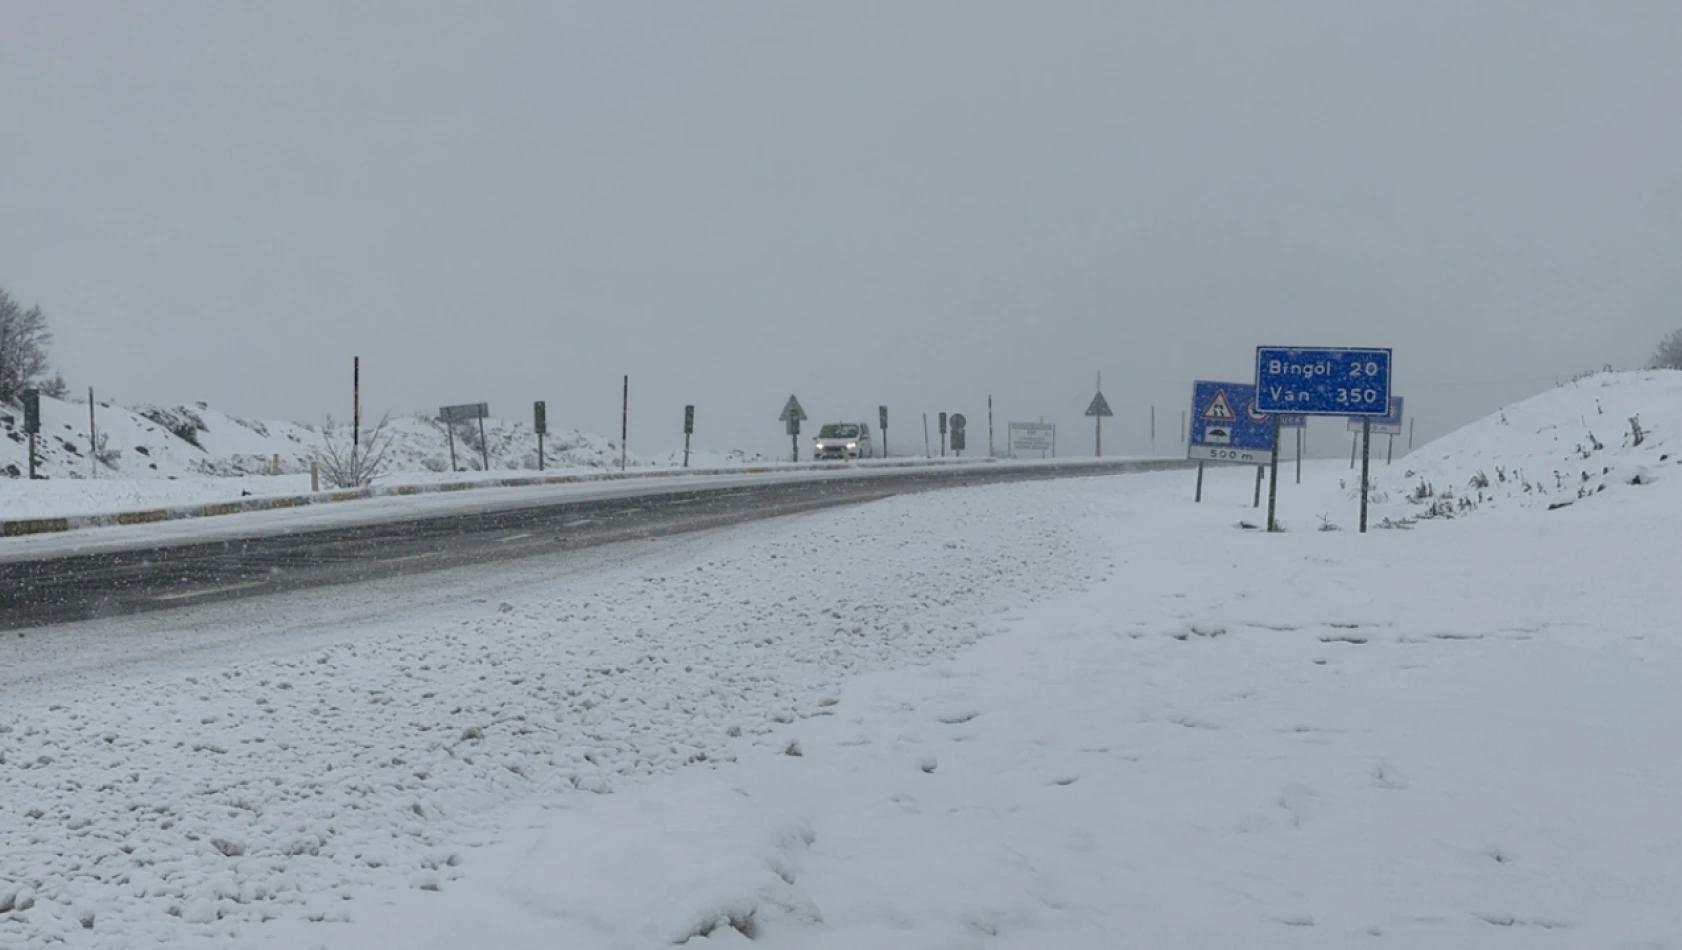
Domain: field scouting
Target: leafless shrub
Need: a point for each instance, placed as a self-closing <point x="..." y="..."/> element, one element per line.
<point x="347" y="463"/>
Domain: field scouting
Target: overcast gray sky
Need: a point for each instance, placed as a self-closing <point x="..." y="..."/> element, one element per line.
<point x="865" y="202"/>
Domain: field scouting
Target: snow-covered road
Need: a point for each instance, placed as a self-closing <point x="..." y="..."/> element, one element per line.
<point x="1074" y="714"/>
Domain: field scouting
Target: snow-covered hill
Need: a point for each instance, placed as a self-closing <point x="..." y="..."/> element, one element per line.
<point x="184" y="441"/>
<point x="1604" y="436"/>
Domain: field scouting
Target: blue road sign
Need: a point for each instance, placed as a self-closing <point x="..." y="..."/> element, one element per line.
<point x="1226" y="426"/>
<point x="1381" y="425"/>
<point x="1353" y="382"/>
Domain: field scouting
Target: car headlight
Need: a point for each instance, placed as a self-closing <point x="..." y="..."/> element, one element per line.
<point x="852" y="445"/>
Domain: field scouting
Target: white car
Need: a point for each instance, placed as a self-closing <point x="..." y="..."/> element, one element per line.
<point x="844" y="440"/>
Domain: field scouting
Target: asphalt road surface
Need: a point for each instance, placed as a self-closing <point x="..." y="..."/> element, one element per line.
<point x="55" y="590"/>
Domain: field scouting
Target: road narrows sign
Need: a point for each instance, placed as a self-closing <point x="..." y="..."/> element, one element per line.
<point x="1220" y="434"/>
<point x="1219" y="408"/>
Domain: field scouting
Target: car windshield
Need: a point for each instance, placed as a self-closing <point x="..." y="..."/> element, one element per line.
<point x="839" y="432"/>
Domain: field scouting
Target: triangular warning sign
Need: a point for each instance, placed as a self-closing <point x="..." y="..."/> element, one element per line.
<point x="1220" y="409"/>
<point x="1099" y="407"/>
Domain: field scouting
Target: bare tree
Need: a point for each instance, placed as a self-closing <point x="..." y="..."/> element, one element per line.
<point x="345" y="464"/>
<point x="1669" y="352"/>
<point x="24" y="339"/>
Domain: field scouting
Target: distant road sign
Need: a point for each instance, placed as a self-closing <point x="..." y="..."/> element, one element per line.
<point x="1382" y="425"/>
<point x="1226" y="425"/>
<point x="882" y="416"/>
<point x="792" y="411"/>
<point x="1031" y="437"/>
<point x="31" y="411"/>
<point x="1323" y="382"/>
<point x="1100" y="406"/>
<point x="540" y="417"/>
<point x="688" y="420"/>
<point x="1288" y="420"/>
<point x="464" y="413"/>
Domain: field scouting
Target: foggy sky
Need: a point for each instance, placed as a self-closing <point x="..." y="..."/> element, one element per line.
<point x="917" y="204"/>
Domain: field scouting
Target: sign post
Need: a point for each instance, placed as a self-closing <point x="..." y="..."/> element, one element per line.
<point x="1366" y="464"/>
<point x="31" y="423"/>
<point x="624" y="425"/>
<point x="882" y="417"/>
<point x="93" y="439"/>
<point x="451" y="416"/>
<point x="991" y="452"/>
<point x="540" y="422"/>
<point x="1273" y="480"/>
<point x="1098" y="409"/>
<point x="791" y="419"/>
<point x="943" y="435"/>
<point x="688" y="430"/>
<point x="1328" y="382"/>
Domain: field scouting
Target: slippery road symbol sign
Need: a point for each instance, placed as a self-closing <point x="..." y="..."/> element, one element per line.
<point x="1220" y="410"/>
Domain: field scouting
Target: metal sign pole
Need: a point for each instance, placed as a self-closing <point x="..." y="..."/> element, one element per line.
<point x="1390" y="452"/>
<point x="624" y="423"/>
<point x="928" y="453"/>
<point x="1273" y="482"/>
<point x="1354" y="447"/>
<point x="1410" y="433"/>
<point x="990" y="452"/>
<point x="31" y="456"/>
<point x="450" y="428"/>
<point x="1366" y="462"/>
<point x="93" y="439"/>
<point x="1199" y="498"/>
<point x="1299" y="455"/>
<point x="540" y="422"/>
<point x="355" y="410"/>
<point x="484" y="444"/>
<point x="1261" y="470"/>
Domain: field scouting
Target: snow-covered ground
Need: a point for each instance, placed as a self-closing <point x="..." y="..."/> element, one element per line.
<point x="198" y="446"/>
<point x="1074" y="714"/>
